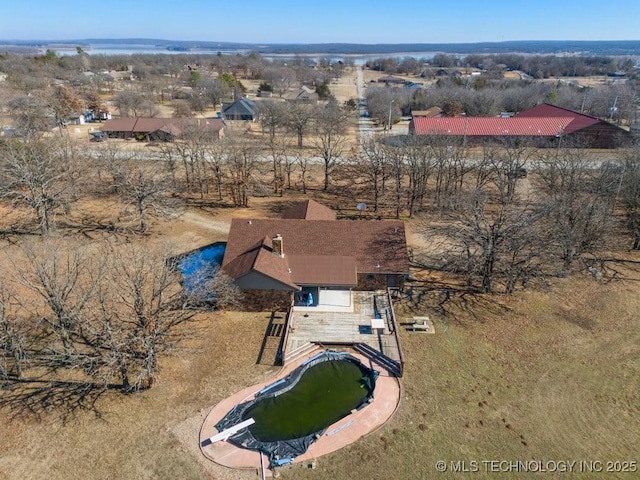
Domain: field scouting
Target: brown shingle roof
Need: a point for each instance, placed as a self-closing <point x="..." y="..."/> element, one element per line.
<point x="261" y="258"/>
<point x="148" y="125"/>
<point x="119" y="125"/>
<point x="323" y="270"/>
<point x="309" y="210"/>
<point x="174" y="126"/>
<point x="429" y="112"/>
<point x="377" y="246"/>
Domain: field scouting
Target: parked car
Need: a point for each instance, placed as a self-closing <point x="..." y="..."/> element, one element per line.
<point x="98" y="137"/>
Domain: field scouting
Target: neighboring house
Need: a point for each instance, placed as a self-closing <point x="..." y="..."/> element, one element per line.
<point x="429" y="112"/>
<point x="241" y="109"/>
<point x="544" y="125"/>
<point x="117" y="75"/>
<point x="413" y="85"/>
<point x="97" y="115"/>
<point x="160" y="129"/>
<point x="307" y="250"/>
<point x="304" y="95"/>
<point x="76" y="118"/>
<point x="392" y="80"/>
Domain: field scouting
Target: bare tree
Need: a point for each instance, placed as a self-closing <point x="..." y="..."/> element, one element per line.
<point x="99" y="313"/>
<point x="371" y="165"/>
<point x="280" y="78"/>
<point x="396" y="162"/>
<point x="13" y="335"/>
<point x="576" y="205"/>
<point x="629" y="187"/>
<point x="331" y="139"/>
<point x="494" y="245"/>
<point x="40" y="175"/>
<point x="419" y="167"/>
<point x="272" y="116"/>
<point x="384" y="105"/>
<point x="129" y="102"/>
<point x="146" y="189"/>
<point x="29" y="114"/>
<point x="506" y="165"/>
<point x="151" y="309"/>
<point x="59" y="279"/>
<point x="298" y="119"/>
<point x="241" y="165"/>
<point x="302" y="161"/>
<point x="213" y="90"/>
<point x="280" y="162"/>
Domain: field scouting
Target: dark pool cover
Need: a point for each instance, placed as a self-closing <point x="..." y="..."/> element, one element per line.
<point x="282" y="451"/>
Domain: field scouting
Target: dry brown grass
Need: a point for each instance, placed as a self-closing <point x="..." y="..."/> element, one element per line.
<point x="548" y="374"/>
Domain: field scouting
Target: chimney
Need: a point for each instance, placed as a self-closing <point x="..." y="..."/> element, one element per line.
<point x="278" y="247"/>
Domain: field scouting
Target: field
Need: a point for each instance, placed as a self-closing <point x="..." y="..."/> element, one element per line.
<point x="550" y="374"/>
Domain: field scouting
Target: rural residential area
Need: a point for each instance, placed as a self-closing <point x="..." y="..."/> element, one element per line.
<point x="310" y="260"/>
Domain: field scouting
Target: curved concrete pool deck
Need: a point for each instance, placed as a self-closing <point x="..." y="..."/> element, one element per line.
<point x="385" y="402"/>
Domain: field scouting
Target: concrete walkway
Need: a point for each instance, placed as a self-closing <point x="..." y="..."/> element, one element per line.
<point x="342" y="433"/>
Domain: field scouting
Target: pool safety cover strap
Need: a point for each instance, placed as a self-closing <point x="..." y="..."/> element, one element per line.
<point x="285" y="449"/>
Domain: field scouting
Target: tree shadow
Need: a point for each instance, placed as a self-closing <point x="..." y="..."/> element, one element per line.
<point x="450" y="300"/>
<point x="66" y="399"/>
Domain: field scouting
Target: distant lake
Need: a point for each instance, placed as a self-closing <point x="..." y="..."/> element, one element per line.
<point x="144" y="49"/>
<point x="132" y="49"/>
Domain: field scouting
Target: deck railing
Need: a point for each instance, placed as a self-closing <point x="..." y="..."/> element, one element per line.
<point x="395" y="331"/>
<point x="287" y="327"/>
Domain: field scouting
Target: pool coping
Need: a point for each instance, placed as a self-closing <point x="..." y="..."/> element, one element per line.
<point x="338" y="435"/>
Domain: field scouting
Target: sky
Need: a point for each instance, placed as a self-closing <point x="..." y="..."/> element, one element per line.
<point x="322" y="21"/>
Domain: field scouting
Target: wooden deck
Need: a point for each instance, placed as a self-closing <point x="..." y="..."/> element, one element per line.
<point x="338" y="328"/>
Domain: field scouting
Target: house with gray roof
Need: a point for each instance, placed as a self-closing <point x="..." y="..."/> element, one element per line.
<point x="242" y="109"/>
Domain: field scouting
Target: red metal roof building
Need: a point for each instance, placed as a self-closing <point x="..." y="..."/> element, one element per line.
<point x="542" y="124"/>
<point x="489" y="126"/>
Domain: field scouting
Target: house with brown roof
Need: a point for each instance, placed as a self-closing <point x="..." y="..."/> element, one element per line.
<point x="429" y="112"/>
<point x="304" y="95"/>
<point x="390" y="79"/>
<point x="161" y="129"/>
<point x="308" y="251"/>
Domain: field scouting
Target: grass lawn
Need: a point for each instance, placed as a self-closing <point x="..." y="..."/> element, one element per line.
<point x="549" y="374"/>
<point x="545" y="376"/>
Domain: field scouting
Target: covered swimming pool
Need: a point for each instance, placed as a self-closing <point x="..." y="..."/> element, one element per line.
<point x="200" y="265"/>
<point x="295" y="411"/>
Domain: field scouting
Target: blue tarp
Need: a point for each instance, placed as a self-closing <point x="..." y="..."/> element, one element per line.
<point x="200" y="264"/>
